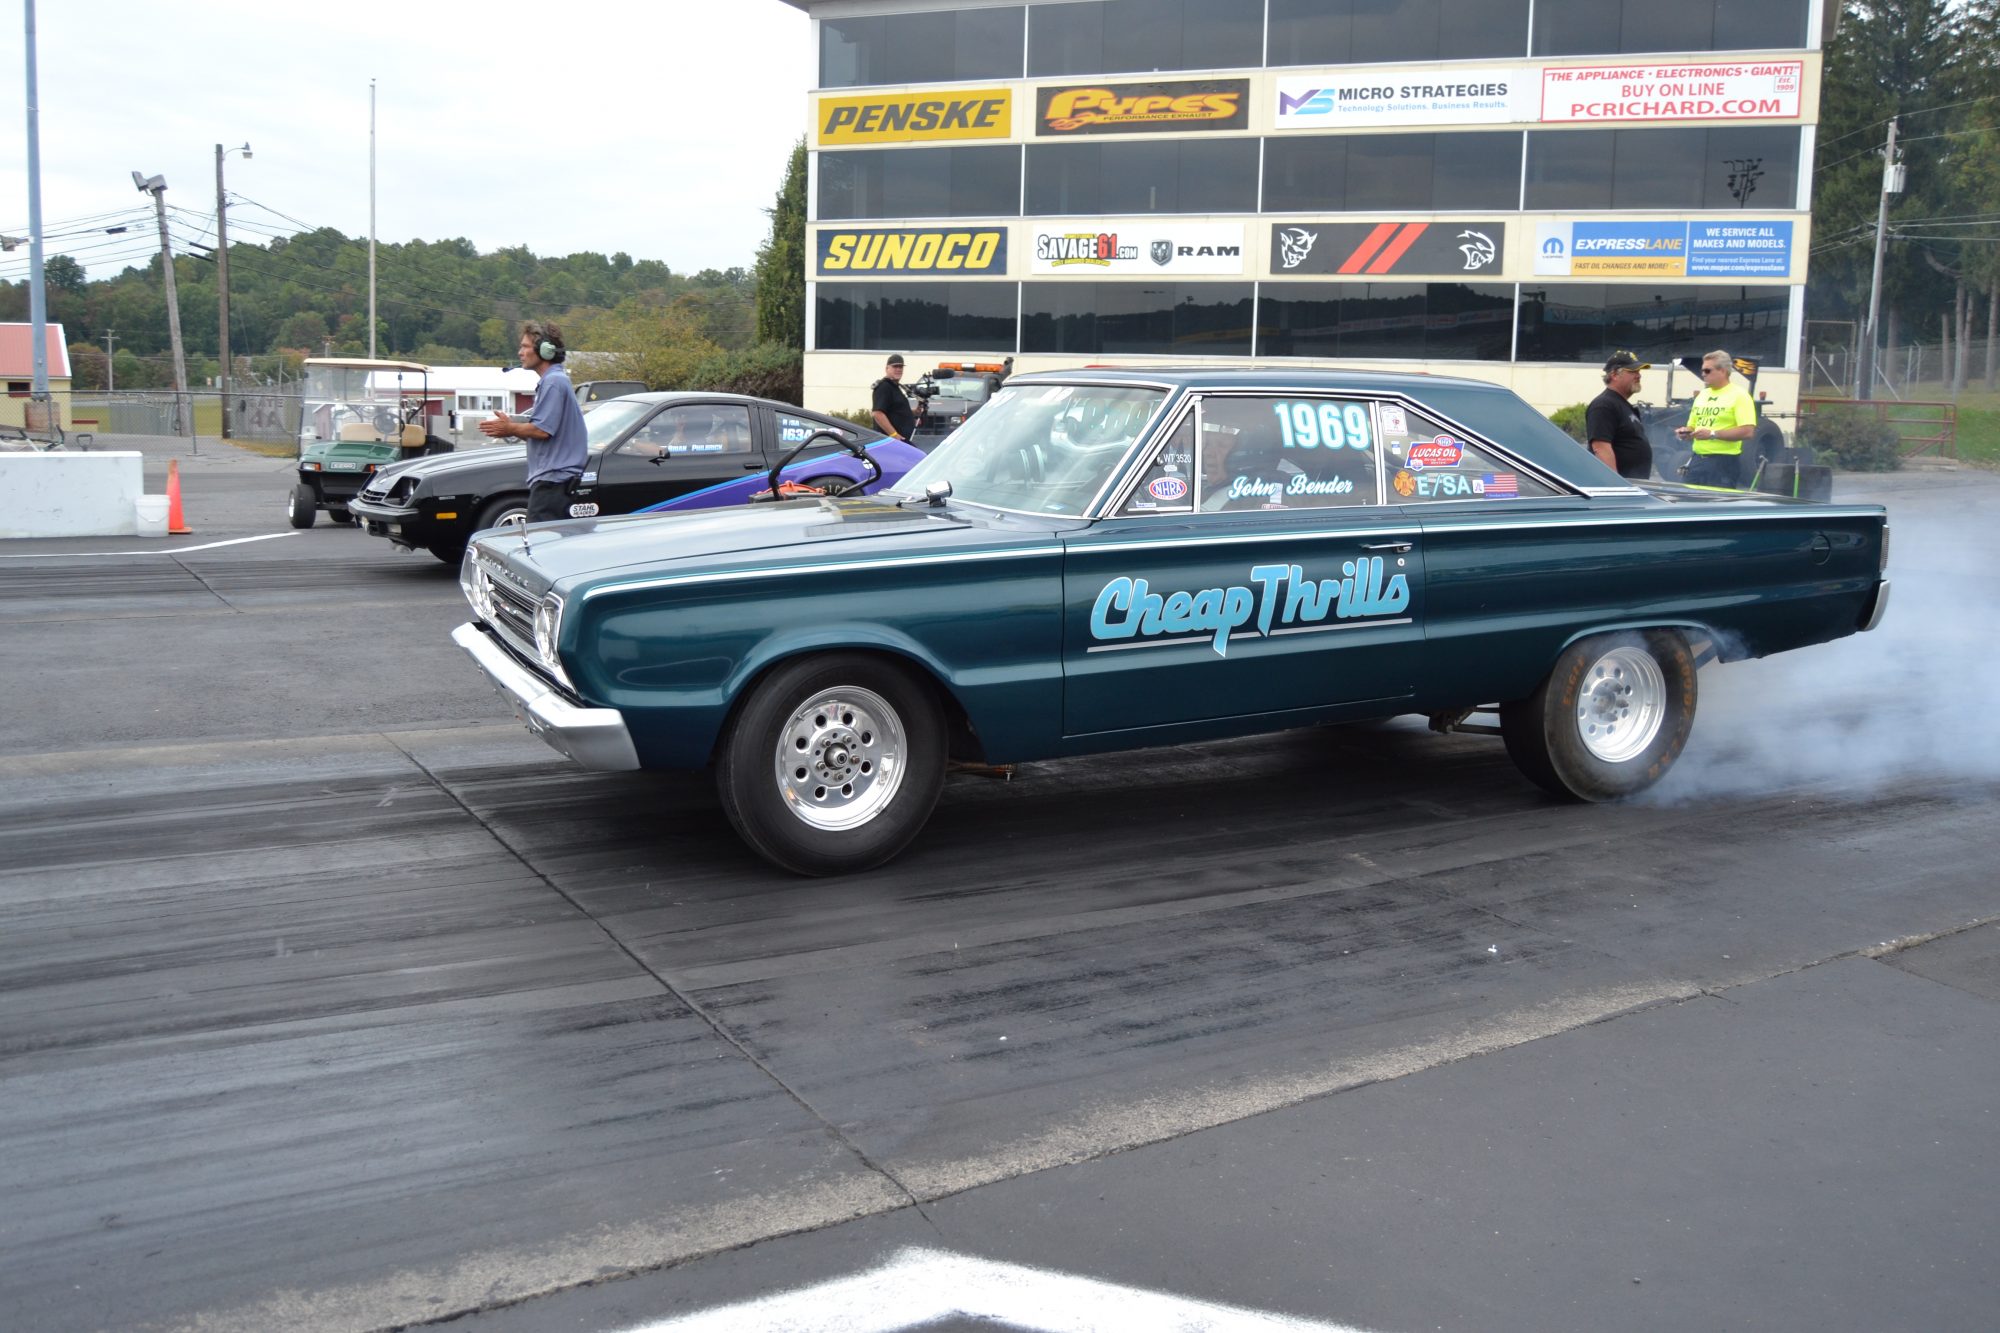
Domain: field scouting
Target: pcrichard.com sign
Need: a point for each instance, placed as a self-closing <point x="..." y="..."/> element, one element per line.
<point x="1613" y="93"/>
<point x="879" y="118"/>
<point x="878" y="250"/>
<point x="1100" y="248"/>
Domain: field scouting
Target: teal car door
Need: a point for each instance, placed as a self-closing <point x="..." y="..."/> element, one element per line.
<point x="1252" y="568"/>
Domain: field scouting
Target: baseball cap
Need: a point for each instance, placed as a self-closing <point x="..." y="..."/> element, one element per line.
<point x="1622" y="360"/>
<point x="896" y="360"/>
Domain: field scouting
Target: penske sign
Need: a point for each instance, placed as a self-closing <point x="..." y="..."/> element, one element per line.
<point x="973" y="113"/>
<point x="912" y="250"/>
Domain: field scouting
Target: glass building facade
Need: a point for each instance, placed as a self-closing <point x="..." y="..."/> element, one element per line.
<point x="1504" y="188"/>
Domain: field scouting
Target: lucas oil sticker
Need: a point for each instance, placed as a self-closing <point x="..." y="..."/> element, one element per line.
<point x="1278" y="599"/>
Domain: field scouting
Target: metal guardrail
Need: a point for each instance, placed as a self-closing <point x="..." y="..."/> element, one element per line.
<point x="1921" y="426"/>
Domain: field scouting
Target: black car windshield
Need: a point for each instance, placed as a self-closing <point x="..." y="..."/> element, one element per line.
<point x="1039" y="448"/>
<point x="610" y="418"/>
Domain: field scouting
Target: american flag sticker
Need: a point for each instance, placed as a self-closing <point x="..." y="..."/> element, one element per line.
<point x="1501" y="485"/>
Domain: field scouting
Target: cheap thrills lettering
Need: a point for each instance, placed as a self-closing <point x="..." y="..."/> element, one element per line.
<point x="1083" y="248"/>
<point x="867" y="251"/>
<point x="965" y="115"/>
<point x="1279" y="596"/>
<point x="1073" y="108"/>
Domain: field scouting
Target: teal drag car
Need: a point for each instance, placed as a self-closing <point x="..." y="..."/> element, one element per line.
<point x="1108" y="560"/>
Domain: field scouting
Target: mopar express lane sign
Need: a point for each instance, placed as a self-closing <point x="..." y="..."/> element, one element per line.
<point x="967" y="113"/>
<point x="1718" y="248"/>
<point x="1143" y="108"/>
<point x="1138" y="247"/>
<point x="1348" y="99"/>
<point x="913" y="250"/>
<point x="1388" y="247"/>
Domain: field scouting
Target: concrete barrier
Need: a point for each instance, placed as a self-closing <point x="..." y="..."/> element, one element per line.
<point x="70" y="495"/>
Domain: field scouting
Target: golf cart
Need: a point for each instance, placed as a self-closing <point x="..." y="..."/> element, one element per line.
<point x="359" y="417"/>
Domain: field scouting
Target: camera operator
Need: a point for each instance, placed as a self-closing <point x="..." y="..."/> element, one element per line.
<point x="891" y="406"/>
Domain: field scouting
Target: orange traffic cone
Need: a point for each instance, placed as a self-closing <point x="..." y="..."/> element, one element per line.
<point x="176" y="525"/>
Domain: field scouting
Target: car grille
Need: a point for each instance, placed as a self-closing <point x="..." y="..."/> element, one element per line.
<point x="514" y="612"/>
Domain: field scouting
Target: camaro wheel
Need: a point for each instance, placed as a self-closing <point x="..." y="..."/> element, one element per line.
<point x="303" y="507"/>
<point x="1610" y="719"/>
<point x="510" y="511"/>
<point x="833" y="763"/>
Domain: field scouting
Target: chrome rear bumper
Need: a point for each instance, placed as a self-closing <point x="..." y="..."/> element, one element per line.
<point x="594" y="737"/>
<point x="1880" y="609"/>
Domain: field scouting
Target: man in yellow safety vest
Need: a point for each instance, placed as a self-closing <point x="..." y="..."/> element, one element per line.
<point x="1721" y="418"/>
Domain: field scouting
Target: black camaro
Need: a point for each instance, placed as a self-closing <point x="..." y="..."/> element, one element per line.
<point x="645" y="450"/>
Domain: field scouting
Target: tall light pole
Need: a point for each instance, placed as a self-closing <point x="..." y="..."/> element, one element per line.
<point x="371" y="219"/>
<point x="222" y="270"/>
<point x="157" y="187"/>
<point x="38" y="309"/>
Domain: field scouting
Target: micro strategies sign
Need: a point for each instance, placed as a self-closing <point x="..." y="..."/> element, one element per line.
<point x="901" y="250"/>
<point x="1731" y="248"/>
<point x="1530" y="94"/>
<point x="1103" y="248"/>
<point x="970" y="113"/>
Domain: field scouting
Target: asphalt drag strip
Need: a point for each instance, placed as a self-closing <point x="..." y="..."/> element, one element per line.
<point x="365" y="1030"/>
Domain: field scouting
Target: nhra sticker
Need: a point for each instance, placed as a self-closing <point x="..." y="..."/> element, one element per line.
<point x="1167" y="488"/>
<point x="1440" y="452"/>
<point x="583" y="511"/>
<point x="1280" y="599"/>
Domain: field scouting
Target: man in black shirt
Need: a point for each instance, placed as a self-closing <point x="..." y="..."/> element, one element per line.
<point x="1612" y="424"/>
<point x="892" y="408"/>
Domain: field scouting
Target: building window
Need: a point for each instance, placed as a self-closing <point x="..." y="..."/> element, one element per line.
<point x="921" y="48"/>
<point x="1136" y="318"/>
<point x="1755" y="169"/>
<point x="20" y="388"/>
<point x="1359" y="32"/>
<point x="1440" y="321"/>
<point x="1586" y="322"/>
<point x="1392" y="172"/>
<point x="914" y="316"/>
<point x="1633" y="27"/>
<point x="1157" y="176"/>
<point x="1132" y="36"/>
<point x="920" y="183"/>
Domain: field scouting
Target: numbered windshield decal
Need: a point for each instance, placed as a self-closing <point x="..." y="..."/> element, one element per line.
<point x="1283" y="601"/>
<point x="1324" y="425"/>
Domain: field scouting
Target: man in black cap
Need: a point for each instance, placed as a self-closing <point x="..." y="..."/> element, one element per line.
<point x="1612" y="424"/>
<point x="892" y="408"/>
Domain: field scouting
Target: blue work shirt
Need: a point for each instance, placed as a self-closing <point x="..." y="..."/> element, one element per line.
<point x="561" y="456"/>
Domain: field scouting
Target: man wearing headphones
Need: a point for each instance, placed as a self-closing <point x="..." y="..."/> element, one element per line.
<point x="553" y="428"/>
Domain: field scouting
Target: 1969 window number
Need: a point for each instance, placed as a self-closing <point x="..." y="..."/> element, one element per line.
<point x="1324" y="425"/>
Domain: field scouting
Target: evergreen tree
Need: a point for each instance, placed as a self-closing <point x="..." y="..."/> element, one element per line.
<point x="781" y="261"/>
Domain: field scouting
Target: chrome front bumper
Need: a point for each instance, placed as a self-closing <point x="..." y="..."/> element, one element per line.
<point x="594" y="737"/>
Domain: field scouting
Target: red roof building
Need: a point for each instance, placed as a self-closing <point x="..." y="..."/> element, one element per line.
<point x="17" y="370"/>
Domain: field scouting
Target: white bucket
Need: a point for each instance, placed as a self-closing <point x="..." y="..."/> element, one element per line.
<point x="152" y="515"/>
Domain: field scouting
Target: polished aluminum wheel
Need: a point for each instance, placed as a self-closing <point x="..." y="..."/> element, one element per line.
<point x="1622" y="705"/>
<point x="840" y="758"/>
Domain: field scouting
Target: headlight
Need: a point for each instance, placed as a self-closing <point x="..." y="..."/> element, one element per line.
<point x="309" y="467"/>
<point x="478" y="585"/>
<point x="548" y="624"/>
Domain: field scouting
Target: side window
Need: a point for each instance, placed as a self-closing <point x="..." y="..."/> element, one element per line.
<point x="1426" y="461"/>
<point x="1168" y="486"/>
<point x="1286" y="453"/>
<point x="693" y="431"/>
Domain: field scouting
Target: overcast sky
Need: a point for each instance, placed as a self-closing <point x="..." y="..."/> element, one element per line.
<point x="656" y="127"/>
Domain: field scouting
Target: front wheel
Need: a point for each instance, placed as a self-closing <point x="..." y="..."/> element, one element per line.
<point x="509" y="511"/>
<point x="303" y="507"/>
<point x="1609" y="720"/>
<point x="833" y="763"/>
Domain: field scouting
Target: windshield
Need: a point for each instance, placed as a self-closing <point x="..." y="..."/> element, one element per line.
<point x="608" y="418"/>
<point x="356" y="404"/>
<point x="1041" y="448"/>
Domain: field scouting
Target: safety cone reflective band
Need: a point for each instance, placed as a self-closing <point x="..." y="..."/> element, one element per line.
<point x="176" y="525"/>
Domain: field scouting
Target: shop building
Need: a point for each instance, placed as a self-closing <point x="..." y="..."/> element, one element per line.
<point x="1503" y="189"/>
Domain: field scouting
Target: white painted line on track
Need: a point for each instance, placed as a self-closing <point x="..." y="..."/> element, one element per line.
<point x="919" y="1287"/>
<point x="178" y="550"/>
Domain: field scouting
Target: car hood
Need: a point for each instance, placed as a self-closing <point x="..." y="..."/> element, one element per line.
<point x="436" y="469"/>
<point x="801" y="531"/>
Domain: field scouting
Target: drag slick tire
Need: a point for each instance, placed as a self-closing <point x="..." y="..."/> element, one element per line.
<point x="303" y="507"/>
<point x="1610" y="719"/>
<point x="833" y="763"/>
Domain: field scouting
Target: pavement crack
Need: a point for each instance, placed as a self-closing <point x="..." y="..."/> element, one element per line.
<point x="694" y="1006"/>
<point x="195" y="574"/>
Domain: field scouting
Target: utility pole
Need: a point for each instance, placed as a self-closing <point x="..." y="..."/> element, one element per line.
<point x="222" y="272"/>
<point x="1892" y="183"/>
<point x="371" y="219"/>
<point x="38" y="309"/>
<point x="157" y="187"/>
<point x="110" y="365"/>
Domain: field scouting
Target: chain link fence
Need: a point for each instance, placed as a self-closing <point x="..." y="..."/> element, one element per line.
<point x="1909" y="370"/>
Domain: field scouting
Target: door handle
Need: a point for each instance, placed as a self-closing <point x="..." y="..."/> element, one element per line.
<point x="756" y="467"/>
<point x="1398" y="547"/>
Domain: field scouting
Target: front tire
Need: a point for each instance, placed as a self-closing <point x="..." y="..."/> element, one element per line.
<point x="509" y="511"/>
<point x="303" y="507"/>
<point x="833" y="763"/>
<point x="340" y="516"/>
<point x="1609" y="720"/>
